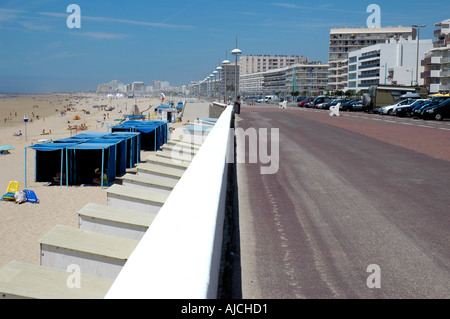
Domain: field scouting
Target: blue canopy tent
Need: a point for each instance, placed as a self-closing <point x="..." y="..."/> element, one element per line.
<point x="89" y="135"/>
<point x="82" y="160"/>
<point x="153" y="133"/>
<point x="50" y="160"/>
<point x="132" y="146"/>
<point x="120" y="153"/>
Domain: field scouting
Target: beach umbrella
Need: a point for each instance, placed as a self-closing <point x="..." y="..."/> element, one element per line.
<point x="6" y="147"/>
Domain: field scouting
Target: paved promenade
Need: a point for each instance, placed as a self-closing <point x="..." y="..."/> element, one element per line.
<point x="351" y="192"/>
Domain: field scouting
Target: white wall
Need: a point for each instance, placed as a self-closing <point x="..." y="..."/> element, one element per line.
<point x="179" y="256"/>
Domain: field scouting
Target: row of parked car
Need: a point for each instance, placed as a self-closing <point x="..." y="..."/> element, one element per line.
<point x="323" y="102"/>
<point x="435" y="108"/>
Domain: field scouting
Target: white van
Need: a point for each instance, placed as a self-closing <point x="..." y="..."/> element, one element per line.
<point x="271" y="98"/>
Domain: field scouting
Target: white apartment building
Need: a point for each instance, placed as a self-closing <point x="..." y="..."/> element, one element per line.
<point x="389" y="63"/>
<point x="250" y="64"/>
<point x="306" y="78"/>
<point x="345" y="40"/>
<point x="436" y="63"/>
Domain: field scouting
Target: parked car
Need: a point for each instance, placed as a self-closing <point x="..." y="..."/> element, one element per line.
<point x="323" y="104"/>
<point x="437" y="112"/>
<point x="305" y="103"/>
<point x="301" y="98"/>
<point x="332" y="102"/>
<point x="319" y="100"/>
<point x="405" y="110"/>
<point x="358" y="106"/>
<point x="417" y="111"/>
<point x="388" y="109"/>
<point x="348" y="105"/>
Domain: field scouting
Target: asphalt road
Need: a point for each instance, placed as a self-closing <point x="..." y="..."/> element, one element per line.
<point x="350" y="192"/>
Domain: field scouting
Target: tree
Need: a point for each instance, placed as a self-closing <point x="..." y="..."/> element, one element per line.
<point x="339" y="93"/>
<point x="348" y="93"/>
<point x="295" y="93"/>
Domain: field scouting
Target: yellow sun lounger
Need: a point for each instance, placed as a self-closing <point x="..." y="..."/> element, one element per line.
<point x="13" y="187"/>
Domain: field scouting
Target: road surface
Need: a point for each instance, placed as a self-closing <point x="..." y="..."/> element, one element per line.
<point x="358" y="201"/>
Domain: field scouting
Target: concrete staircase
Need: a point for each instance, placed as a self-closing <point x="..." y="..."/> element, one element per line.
<point x="94" y="253"/>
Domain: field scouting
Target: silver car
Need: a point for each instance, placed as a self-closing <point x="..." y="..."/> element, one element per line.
<point x="388" y="109"/>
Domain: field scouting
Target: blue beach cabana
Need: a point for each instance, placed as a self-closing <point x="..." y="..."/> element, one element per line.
<point x="50" y="160"/>
<point x="132" y="146"/>
<point x="120" y="153"/>
<point x="153" y="133"/>
<point x="82" y="160"/>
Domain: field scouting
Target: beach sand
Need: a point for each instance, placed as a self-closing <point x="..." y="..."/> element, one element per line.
<point x="22" y="225"/>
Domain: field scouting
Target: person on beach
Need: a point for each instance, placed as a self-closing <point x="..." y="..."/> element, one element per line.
<point x="97" y="178"/>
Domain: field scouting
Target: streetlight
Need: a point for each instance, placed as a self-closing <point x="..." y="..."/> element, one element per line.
<point x="412" y="72"/>
<point x="417" y="58"/>
<point x="210" y="84"/>
<point x="214" y="93"/>
<point x="25" y="119"/>
<point x="235" y="52"/>
<point x="225" y="63"/>
<point x="219" y="68"/>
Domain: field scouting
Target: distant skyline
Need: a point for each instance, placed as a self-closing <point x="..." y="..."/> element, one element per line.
<point x="175" y="41"/>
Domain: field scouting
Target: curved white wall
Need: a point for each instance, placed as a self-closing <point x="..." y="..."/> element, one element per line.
<point x="179" y="256"/>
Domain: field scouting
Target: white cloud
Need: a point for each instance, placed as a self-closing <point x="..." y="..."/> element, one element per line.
<point x="104" y="35"/>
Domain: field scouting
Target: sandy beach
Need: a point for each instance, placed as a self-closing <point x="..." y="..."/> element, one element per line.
<point x="22" y="225"/>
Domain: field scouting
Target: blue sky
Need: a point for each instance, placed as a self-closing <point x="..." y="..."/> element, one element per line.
<point x="175" y="41"/>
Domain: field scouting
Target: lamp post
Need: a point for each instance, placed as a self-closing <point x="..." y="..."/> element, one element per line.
<point x="214" y="93"/>
<point x="225" y="63"/>
<point x="219" y="69"/>
<point x="417" y="57"/>
<point x="235" y="52"/>
<point x="210" y="85"/>
<point x="25" y="119"/>
<point x="412" y="72"/>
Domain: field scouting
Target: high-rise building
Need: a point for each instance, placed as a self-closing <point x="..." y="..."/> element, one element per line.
<point x="306" y="78"/>
<point x="345" y="40"/>
<point x="392" y="63"/>
<point x="436" y="63"/>
<point x="259" y="63"/>
<point x="137" y="86"/>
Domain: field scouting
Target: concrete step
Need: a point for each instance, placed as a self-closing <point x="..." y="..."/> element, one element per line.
<point x="114" y="221"/>
<point x="176" y="158"/>
<point x="183" y="143"/>
<point x="135" y="198"/>
<point x="159" y="172"/>
<point x="179" y="150"/>
<point x="22" y="280"/>
<point x="164" y="161"/>
<point x="197" y="142"/>
<point x="94" y="253"/>
<point x="149" y="183"/>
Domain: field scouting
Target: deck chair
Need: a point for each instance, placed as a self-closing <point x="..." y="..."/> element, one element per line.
<point x="31" y="196"/>
<point x="13" y="187"/>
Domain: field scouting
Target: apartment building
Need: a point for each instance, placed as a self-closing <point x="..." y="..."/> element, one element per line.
<point x="250" y="64"/>
<point x="306" y="78"/>
<point x="394" y="63"/>
<point x="345" y="40"/>
<point x="436" y="63"/>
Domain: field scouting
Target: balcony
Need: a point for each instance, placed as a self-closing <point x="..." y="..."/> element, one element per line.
<point x="371" y="75"/>
<point x="375" y="55"/>
<point x="367" y="66"/>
